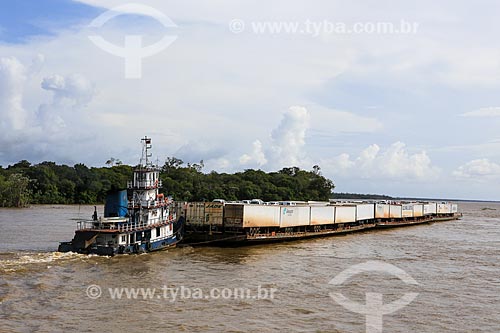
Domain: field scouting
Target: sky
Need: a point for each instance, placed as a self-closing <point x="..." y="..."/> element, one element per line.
<point x="413" y="110"/>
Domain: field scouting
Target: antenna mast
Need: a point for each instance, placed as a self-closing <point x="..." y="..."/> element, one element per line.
<point x="146" y="146"/>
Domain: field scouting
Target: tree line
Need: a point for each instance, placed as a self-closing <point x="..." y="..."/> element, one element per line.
<point x="22" y="184"/>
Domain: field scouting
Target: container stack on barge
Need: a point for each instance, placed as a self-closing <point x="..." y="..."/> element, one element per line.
<point x="220" y="223"/>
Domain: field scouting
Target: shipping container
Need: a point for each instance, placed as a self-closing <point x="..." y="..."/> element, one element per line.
<point x="195" y="213"/>
<point x="233" y="215"/>
<point x="345" y="214"/>
<point x="179" y="208"/>
<point x="418" y="210"/>
<point x="249" y="216"/>
<point x="294" y="216"/>
<point x="365" y="212"/>
<point x="454" y="208"/>
<point x="382" y="211"/>
<point x="407" y="210"/>
<point x="430" y="208"/>
<point x="261" y="216"/>
<point x="395" y="211"/>
<point x="444" y="208"/>
<point x="214" y="212"/>
<point x="322" y="215"/>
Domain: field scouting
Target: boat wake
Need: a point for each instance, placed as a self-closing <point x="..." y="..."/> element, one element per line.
<point x="19" y="261"/>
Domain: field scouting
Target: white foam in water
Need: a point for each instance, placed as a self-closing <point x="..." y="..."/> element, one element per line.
<point x="20" y="259"/>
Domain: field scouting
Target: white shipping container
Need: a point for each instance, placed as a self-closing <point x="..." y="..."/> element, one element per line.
<point x="430" y="208"/>
<point x="262" y="216"/>
<point x="418" y="210"/>
<point x="322" y="215"/>
<point x="444" y="208"/>
<point x="344" y="214"/>
<point x="396" y="211"/>
<point x="407" y="211"/>
<point x="365" y="212"/>
<point x="294" y="216"/>
<point x="382" y="211"/>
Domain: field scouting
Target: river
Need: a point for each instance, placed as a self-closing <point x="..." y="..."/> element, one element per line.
<point x="266" y="288"/>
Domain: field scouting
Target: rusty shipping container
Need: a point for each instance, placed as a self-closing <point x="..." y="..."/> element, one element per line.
<point x="195" y="213"/>
<point x="407" y="210"/>
<point x="322" y="215"/>
<point x="250" y="216"/>
<point x="214" y="213"/>
<point x="395" y="211"/>
<point x="294" y="216"/>
<point x="261" y="216"/>
<point x="382" y="211"/>
<point x="233" y="215"/>
<point x="418" y="210"/>
<point x="365" y="212"/>
<point x="345" y="214"/>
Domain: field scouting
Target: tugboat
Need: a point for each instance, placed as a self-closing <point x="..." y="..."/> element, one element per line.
<point x="142" y="221"/>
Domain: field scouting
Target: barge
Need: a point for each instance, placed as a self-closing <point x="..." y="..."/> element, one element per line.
<point x="233" y="224"/>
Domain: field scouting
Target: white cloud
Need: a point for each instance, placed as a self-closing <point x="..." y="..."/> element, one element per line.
<point x="286" y="144"/>
<point x="257" y="156"/>
<point x="393" y="163"/>
<point x="341" y="163"/>
<point x="288" y="139"/>
<point x="75" y="88"/>
<point x="71" y="93"/>
<point x="367" y="157"/>
<point x="41" y="132"/>
<point x="37" y="64"/>
<point x="480" y="168"/>
<point x="483" y="112"/>
<point x="12" y="79"/>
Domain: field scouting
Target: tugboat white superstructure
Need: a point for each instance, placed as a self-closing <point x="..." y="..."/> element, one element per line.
<point x="143" y="221"/>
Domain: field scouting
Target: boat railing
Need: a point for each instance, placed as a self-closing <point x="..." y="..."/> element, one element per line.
<point x="145" y="184"/>
<point x="120" y="226"/>
<point x="145" y="203"/>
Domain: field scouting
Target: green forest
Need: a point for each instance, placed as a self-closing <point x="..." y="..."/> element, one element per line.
<point x="23" y="184"/>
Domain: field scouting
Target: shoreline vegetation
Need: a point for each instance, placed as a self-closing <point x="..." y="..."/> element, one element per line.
<point x="23" y="184"/>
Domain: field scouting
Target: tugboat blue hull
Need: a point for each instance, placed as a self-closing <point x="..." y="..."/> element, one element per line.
<point x="121" y="249"/>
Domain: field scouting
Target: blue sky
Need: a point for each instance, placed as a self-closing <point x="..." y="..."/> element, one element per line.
<point x="22" y="20"/>
<point x="414" y="114"/>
